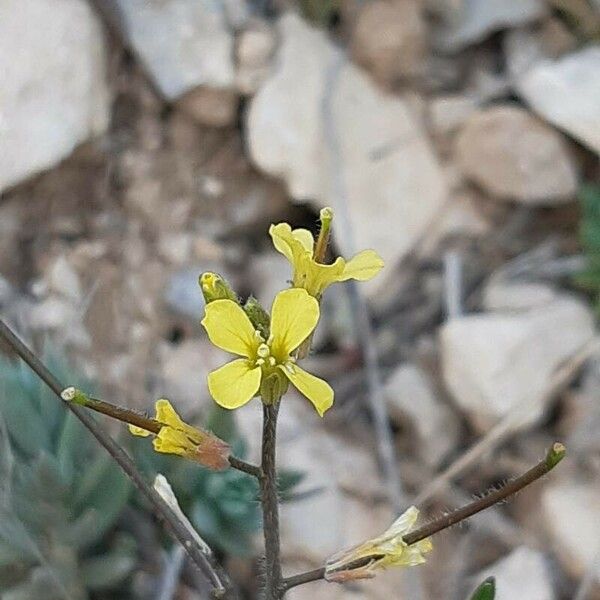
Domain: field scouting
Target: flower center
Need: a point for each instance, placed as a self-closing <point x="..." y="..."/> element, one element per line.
<point x="264" y="358"/>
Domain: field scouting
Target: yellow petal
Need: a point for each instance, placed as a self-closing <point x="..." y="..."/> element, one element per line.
<point x="294" y="315"/>
<point x="165" y="414"/>
<point x="362" y="266"/>
<point x="305" y="238"/>
<point x="316" y="390"/>
<point x="234" y="384"/>
<point x="135" y="430"/>
<point x="403" y="524"/>
<point x="315" y="277"/>
<point x="172" y="441"/>
<point x="291" y="243"/>
<point x="229" y="328"/>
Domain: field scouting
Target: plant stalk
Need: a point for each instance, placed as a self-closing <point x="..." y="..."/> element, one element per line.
<point x="270" y="505"/>
<point x="553" y="457"/>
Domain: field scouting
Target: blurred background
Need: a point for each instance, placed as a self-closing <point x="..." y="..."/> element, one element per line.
<point x="143" y="142"/>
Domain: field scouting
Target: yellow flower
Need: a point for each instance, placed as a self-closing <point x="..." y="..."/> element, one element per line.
<point x="294" y="316"/>
<point x="298" y="246"/>
<point x="177" y="437"/>
<point x="387" y="550"/>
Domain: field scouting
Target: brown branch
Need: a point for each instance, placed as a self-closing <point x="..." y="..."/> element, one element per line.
<point x="131" y="417"/>
<point x="219" y="581"/>
<point x="553" y="457"/>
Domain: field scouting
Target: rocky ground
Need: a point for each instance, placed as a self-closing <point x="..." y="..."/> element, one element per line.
<point x="142" y="143"/>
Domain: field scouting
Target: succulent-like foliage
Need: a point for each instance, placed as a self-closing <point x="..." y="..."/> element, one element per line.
<point x="223" y="506"/>
<point x="60" y="497"/>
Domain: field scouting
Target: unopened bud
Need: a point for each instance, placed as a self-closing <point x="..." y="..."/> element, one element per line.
<point x="214" y="287"/>
<point x="258" y="316"/>
<point x="75" y="396"/>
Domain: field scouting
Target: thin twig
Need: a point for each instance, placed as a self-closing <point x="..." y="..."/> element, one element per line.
<point x="508" y="425"/>
<point x="552" y="458"/>
<point x="218" y="579"/>
<point x="270" y="504"/>
<point x="132" y="417"/>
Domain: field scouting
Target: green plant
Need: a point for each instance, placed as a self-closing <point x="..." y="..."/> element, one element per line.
<point x="589" y="232"/>
<point x="486" y="591"/>
<point x="223" y="506"/>
<point x="60" y="498"/>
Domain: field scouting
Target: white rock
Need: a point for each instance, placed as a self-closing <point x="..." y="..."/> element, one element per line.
<point x="255" y="48"/>
<point x="566" y="92"/>
<point x="63" y="278"/>
<point x="389" y="39"/>
<point x="269" y="273"/>
<point x="391" y="179"/>
<point x="572" y="515"/>
<point x="524" y="573"/>
<point x="53" y="94"/>
<point x="471" y="21"/>
<point x="185" y="367"/>
<point x="514" y="156"/>
<point x="502" y="295"/>
<point x="411" y="399"/>
<point x="495" y="364"/>
<point x="182" y="43"/>
<point x="448" y="113"/>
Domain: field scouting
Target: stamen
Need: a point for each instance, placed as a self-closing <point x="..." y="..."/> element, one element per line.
<point x="263" y="351"/>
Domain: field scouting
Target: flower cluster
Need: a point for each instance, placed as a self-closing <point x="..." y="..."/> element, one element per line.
<point x="268" y="343"/>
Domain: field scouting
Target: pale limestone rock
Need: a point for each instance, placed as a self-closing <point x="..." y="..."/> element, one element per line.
<point x="572" y="513"/>
<point x="214" y="107"/>
<point x="185" y="367"/>
<point x="470" y="21"/>
<point x="389" y="39"/>
<point x="496" y="364"/>
<point x="53" y="94"/>
<point x="411" y="399"/>
<point x="524" y="573"/>
<point x="566" y="92"/>
<point x="448" y="113"/>
<point x="377" y="157"/>
<point x="182" y="43"/>
<point x="514" y="156"/>
<point x="501" y="295"/>
<point x="254" y="51"/>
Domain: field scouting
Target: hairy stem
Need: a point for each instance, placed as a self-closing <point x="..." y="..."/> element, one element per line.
<point x="270" y="505"/>
<point x="553" y="457"/>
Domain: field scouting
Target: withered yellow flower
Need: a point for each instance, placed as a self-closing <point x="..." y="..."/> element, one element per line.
<point x="387" y="550"/>
<point x="265" y="364"/>
<point x="177" y="437"/>
<point x="298" y="246"/>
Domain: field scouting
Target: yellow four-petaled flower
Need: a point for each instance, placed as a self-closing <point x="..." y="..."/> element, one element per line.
<point x="297" y="245"/>
<point x="294" y="316"/>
